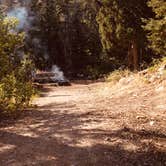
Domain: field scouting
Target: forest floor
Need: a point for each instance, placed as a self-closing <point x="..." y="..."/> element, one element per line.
<point x="89" y="124"/>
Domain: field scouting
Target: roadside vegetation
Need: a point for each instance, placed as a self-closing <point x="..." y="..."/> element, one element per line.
<point x="86" y="39"/>
<point x="156" y="70"/>
<point x="16" y="87"/>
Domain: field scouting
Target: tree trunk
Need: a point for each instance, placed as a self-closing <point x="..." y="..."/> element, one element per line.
<point x="133" y="61"/>
<point x="135" y="55"/>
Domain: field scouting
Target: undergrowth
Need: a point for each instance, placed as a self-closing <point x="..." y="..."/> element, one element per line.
<point x="116" y="75"/>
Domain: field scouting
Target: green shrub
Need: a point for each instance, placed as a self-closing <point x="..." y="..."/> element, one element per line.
<point x="16" y="87"/>
<point x="15" y="94"/>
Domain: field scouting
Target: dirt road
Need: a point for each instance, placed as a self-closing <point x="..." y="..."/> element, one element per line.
<point x="89" y="125"/>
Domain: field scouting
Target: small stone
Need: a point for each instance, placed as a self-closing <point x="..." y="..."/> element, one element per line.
<point x="152" y="123"/>
<point x="140" y="117"/>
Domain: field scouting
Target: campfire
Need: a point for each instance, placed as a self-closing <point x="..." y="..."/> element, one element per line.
<point x="54" y="77"/>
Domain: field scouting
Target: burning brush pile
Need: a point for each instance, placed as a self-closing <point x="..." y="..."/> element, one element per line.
<point x="54" y="77"/>
<point x="20" y="9"/>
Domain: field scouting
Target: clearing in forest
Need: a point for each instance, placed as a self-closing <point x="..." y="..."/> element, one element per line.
<point x="89" y="125"/>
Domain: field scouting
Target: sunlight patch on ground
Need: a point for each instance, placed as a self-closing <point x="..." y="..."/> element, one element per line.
<point x="62" y="137"/>
<point x="29" y="134"/>
<point x="97" y="125"/>
<point x="85" y="142"/>
<point x="161" y="106"/>
<point x="130" y="147"/>
<point x="44" y="158"/>
<point x="6" y="147"/>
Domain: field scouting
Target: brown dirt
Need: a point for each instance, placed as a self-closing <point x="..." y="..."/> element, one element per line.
<point x="89" y="125"/>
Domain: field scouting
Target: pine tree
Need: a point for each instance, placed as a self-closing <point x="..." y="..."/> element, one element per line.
<point x="120" y="26"/>
<point x="156" y="27"/>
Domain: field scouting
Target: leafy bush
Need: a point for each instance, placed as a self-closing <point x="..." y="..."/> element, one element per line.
<point x="15" y="68"/>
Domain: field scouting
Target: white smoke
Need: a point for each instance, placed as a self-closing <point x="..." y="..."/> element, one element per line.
<point x="21" y="11"/>
<point x="21" y="14"/>
<point x="58" y="74"/>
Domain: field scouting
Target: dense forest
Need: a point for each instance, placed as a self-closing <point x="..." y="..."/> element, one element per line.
<point x="82" y="37"/>
<point x="82" y="82"/>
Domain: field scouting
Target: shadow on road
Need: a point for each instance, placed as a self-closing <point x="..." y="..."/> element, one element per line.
<point x="46" y="137"/>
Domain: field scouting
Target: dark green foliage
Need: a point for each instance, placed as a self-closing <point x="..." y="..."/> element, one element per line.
<point x="120" y="26"/>
<point x="156" y="27"/>
<point x="15" y="70"/>
<point x="69" y="32"/>
<point x="92" y="37"/>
